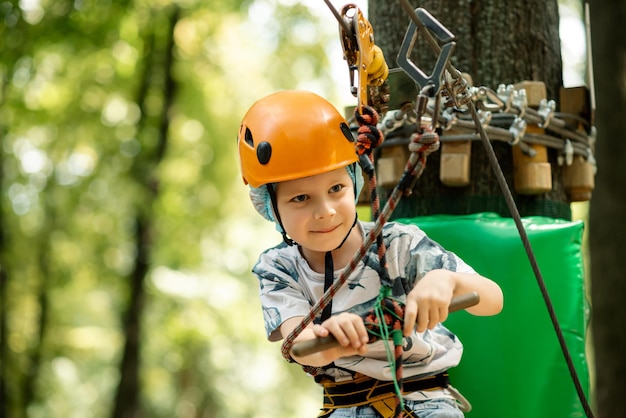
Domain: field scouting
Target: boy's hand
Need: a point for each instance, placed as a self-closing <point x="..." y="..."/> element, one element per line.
<point x="427" y="304"/>
<point x="349" y="331"/>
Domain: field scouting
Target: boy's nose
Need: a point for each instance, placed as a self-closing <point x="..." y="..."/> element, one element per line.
<point x="324" y="209"/>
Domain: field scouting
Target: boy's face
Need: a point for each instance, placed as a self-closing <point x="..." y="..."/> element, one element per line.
<point x="317" y="212"/>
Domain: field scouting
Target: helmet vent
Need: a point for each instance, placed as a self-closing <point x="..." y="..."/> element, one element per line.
<point x="264" y="152"/>
<point x="346" y="131"/>
<point x="248" y="138"/>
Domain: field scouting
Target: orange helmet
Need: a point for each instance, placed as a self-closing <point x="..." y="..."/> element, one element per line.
<point x="292" y="134"/>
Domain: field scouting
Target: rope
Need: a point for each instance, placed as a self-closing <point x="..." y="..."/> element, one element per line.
<point x="389" y="314"/>
<point x="369" y="137"/>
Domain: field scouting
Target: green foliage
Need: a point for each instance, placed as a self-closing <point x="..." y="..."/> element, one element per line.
<point x="81" y="104"/>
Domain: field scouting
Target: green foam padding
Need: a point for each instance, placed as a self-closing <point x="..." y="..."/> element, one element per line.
<point x="513" y="365"/>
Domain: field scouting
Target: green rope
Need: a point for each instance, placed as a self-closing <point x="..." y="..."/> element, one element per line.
<point x="385" y="335"/>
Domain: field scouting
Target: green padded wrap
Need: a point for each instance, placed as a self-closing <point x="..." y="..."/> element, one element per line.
<point x="512" y="364"/>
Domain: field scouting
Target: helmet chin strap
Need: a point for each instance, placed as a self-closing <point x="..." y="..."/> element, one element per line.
<point x="272" y="192"/>
<point x="329" y="270"/>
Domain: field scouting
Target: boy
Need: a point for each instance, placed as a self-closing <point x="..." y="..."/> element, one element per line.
<point x="297" y="155"/>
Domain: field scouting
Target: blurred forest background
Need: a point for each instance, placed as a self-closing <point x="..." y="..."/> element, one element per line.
<point x="126" y="234"/>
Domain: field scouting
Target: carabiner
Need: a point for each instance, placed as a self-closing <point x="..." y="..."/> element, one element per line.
<point x="443" y="35"/>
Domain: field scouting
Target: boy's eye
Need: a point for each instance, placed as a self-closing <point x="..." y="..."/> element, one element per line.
<point x="299" y="198"/>
<point x="336" y="188"/>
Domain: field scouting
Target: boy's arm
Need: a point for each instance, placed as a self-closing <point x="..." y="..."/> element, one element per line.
<point x="347" y="328"/>
<point x="491" y="297"/>
<point x="427" y="304"/>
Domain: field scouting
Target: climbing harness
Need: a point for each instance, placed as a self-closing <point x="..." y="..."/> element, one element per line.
<point x="447" y="109"/>
<point x="364" y="390"/>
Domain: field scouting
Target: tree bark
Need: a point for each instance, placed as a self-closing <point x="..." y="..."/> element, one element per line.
<point x="607" y="230"/>
<point x="497" y="43"/>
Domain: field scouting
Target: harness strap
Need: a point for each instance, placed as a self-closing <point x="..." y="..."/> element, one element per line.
<point x="329" y="270"/>
<point x="378" y="394"/>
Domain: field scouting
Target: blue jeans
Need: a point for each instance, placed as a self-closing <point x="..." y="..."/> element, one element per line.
<point x="436" y="408"/>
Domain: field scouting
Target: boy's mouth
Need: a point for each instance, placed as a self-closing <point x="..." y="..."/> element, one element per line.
<point x="326" y="230"/>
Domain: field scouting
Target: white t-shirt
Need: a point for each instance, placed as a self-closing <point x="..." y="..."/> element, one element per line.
<point x="290" y="288"/>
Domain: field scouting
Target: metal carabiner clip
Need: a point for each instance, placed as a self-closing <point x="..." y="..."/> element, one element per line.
<point x="443" y="35"/>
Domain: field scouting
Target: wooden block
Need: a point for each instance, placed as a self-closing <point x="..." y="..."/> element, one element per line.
<point x="541" y="155"/>
<point x="454" y="169"/>
<point x="578" y="179"/>
<point x="452" y="147"/>
<point x="575" y="100"/>
<point x="535" y="178"/>
<point x="532" y="174"/>
<point x="390" y="165"/>
<point x="535" y="91"/>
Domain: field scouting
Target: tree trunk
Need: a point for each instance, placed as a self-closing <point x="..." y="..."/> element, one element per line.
<point x="127" y="400"/>
<point x="497" y="43"/>
<point x="4" y="281"/>
<point x="607" y="230"/>
<point x="127" y="397"/>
